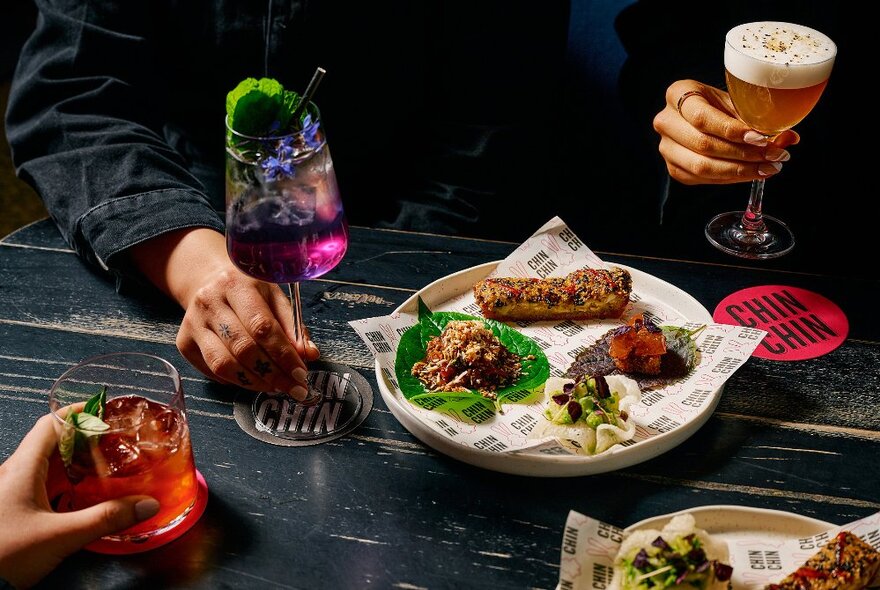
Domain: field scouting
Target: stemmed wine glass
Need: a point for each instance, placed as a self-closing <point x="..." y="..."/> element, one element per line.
<point x="775" y="73"/>
<point x="284" y="216"/>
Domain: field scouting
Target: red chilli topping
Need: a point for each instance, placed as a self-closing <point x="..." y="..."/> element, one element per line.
<point x="838" y="554"/>
<point x="501" y="283"/>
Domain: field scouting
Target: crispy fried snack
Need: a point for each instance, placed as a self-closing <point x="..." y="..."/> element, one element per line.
<point x="845" y="563"/>
<point x="583" y="295"/>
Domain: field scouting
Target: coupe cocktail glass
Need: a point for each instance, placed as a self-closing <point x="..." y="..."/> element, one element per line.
<point x="145" y="449"/>
<point x="775" y="74"/>
<point x="284" y="217"/>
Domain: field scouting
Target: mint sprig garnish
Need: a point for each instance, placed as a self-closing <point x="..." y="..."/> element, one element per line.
<point x="260" y="107"/>
<point x="95" y="405"/>
<point x="80" y="426"/>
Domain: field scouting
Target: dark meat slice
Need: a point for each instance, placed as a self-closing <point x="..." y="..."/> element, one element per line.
<point x="596" y="360"/>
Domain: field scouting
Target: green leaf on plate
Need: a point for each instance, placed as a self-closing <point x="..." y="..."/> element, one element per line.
<point x="413" y="348"/>
<point x="681" y="351"/>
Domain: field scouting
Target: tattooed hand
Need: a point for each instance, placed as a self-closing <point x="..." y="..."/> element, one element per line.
<point x="236" y="329"/>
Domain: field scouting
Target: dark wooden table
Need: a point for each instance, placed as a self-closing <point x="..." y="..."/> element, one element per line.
<point x="377" y="508"/>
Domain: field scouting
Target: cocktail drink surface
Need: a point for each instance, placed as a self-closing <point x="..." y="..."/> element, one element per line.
<point x="122" y="431"/>
<point x="776" y="73"/>
<point x="147" y="451"/>
<point x="284" y="217"/>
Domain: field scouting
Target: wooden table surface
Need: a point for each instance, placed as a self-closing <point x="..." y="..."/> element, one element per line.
<point x="377" y="508"/>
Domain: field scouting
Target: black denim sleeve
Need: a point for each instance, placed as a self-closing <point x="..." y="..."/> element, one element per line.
<point x="85" y="126"/>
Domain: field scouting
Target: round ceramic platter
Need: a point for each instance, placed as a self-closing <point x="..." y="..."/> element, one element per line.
<point x="732" y="523"/>
<point x="670" y="296"/>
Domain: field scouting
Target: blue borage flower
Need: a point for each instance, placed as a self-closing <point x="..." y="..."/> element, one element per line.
<point x="279" y="163"/>
<point x="310" y="132"/>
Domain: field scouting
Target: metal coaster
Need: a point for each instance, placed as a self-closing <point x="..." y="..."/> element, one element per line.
<point x="278" y="419"/>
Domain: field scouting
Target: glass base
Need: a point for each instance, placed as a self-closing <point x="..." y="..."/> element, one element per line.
<point x="124" y="545"/>
<point x="345" y="400"/>
<point x="329" y="407"/>
<point x="727" y="233"/>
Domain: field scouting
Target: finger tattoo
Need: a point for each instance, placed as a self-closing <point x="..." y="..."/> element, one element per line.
<point x="224" y="331"/>
<point x="242" y="377"/>
<point x="262" y="367"/>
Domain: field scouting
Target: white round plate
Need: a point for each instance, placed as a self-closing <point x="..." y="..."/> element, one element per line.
<point x="732" y="523"/>
<point x="548" y="465"/>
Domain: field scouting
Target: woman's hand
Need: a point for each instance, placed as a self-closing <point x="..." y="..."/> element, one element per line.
<point x="703" y="141"/>
<point x="33" y="538"/>
<point x="236" y="329"/>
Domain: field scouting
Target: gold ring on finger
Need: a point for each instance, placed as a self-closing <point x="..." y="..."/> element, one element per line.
<point x="684" y="97"/>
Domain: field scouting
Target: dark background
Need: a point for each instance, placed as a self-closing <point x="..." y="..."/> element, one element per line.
<point x="603" y="173"/>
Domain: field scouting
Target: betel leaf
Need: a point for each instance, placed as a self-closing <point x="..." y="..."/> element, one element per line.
<point x="413" y="348"/>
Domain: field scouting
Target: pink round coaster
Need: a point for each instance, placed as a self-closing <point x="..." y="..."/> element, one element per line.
<point x="800" y="324"/>
<point x="108" y="547"/>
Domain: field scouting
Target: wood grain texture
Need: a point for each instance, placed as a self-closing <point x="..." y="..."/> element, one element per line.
<point x="378" y="508"/>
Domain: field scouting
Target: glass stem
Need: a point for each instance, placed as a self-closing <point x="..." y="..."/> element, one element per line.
<point x="753" y="218"/>
<point x="313" y="396"/>
<point x="296" y="305"/>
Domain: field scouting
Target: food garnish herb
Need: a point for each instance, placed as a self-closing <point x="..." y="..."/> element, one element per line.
<point x="80" y="426"/>
<point x="265" y="109"/>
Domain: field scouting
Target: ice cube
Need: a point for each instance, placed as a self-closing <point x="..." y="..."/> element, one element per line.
<point x="120" y="456"/>
<point x="299" y="204"/>
<point x="125" y="412"/>
<point x="159" y="435"/>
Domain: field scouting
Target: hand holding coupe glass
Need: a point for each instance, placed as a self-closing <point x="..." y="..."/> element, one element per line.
<point x="775" y="75"/>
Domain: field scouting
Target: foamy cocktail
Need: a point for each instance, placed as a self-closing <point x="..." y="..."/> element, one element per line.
<point x="776" y="72"/>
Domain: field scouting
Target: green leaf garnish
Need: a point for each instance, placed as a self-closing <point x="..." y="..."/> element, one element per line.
<point x="413" y="348"/>
<point x="257" y="107"/>
<point x="95" y="405"/>
<point x="79" y="426"/>
<point x="68" y="438"/>
<point x="90" y="425"/>
<point x="681" y="350"/>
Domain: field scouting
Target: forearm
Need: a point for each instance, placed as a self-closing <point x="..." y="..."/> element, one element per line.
<point x="85" y="126"/>
<point x="177" y="262"/>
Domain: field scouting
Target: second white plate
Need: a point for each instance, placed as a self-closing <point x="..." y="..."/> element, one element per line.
<point x="733" y="523"/>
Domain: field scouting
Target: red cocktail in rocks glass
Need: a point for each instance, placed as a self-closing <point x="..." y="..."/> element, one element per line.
<point x="123" y="431"/>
